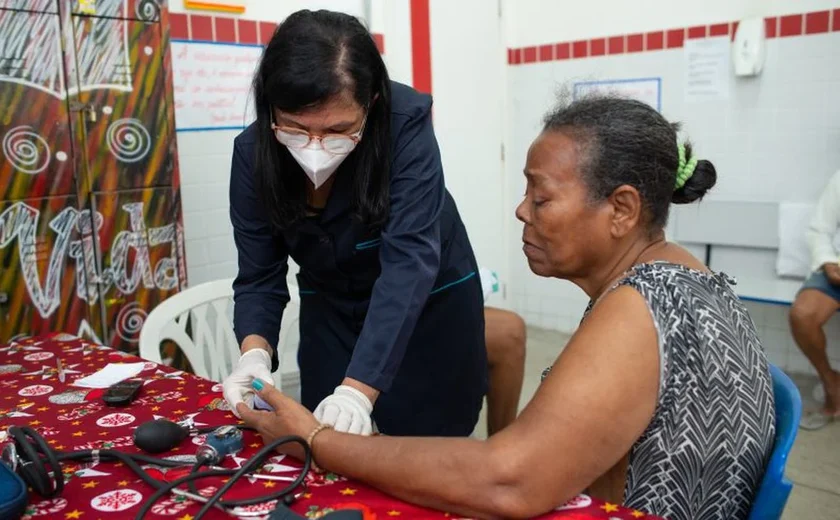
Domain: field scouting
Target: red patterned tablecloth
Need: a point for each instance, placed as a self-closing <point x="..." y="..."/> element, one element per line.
<point x="73" y="418"/>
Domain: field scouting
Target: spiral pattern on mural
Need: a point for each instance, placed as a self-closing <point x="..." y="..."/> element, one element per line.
<point x="129" y="322"/>
<point x="147" y="10"/>
<point x="27" y="151"/>
<point x="128" y="140"/>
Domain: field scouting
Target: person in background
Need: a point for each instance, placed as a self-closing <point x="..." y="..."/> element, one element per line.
<point x="662" y="399"/>
<point x="341" y="172"/>
<point x="505" y="335"/>
<point x="818" y="300"/>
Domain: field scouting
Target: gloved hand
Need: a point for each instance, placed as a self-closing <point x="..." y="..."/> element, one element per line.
<point x="346" y="410"/>
<point x="253" y="364"/>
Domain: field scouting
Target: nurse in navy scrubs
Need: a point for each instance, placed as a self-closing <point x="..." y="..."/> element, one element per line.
<point x="342" y="173"/>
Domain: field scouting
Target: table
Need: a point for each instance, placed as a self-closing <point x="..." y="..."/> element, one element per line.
<point x="73" y="418"/>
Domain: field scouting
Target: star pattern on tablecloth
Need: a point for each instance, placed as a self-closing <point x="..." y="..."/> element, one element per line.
<point x="160" y="374"/>
<point x="16" y="411"/>
<point x="348" y="492"/>
<point x="74" y="514"/>
<point x="48" y="372"/>
<point x="15" y="348"/>
<point x="609" y="508"/>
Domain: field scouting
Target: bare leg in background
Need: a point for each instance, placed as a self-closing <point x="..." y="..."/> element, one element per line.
<point x="505" y="336"/>
<point x="810" y="312"/>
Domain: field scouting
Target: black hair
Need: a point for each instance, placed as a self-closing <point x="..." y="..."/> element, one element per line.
<point x="627" y="142"/>
<point x="312" y="57"/>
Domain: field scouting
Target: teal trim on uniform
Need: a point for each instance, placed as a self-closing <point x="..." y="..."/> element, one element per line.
<point x="369" y="244"/>
<point x="450" y="284"/>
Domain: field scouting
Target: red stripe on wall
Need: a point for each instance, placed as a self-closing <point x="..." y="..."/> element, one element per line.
<point x="562" y="51"/>
<point x="178" y="26"/>
<point x="816" y="23"/>
<point x="655" y="40"/>
<point x="675" y="38"/>
<point x="225" y="30"/>
<point x="247" y="31"/>
<point x="379" y="40"/>
<point x="202" y="27"/>
<point x="580" y="49"/>
<point x="421" y="46"/>
<point x="771" y="27"/>
<point x="635" y="43"/>
<point x="791" y="25"/>
<point x="598" y="47"/>
<point x="721" y="29"/>
<point x="615" y="45"/>
<point x="696" y="32"/>
<point x="546" y="52"/>
<point x="266" y="31"/>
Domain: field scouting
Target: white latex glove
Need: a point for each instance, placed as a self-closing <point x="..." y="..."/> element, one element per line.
<point x="254" y="364"/>
<point x="346" y="410"/>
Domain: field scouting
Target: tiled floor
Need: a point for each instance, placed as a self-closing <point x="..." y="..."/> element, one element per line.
<point x="813" y="466"/>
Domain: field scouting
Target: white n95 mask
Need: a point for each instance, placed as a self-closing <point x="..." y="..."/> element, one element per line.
<point x="317" y="163"/>
<point x="319" y="157"/>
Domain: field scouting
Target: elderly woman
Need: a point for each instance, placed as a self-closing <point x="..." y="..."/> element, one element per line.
<point x="662" y="399"/>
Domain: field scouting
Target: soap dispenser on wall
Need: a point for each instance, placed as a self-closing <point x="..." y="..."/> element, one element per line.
<point x="749" y="47"/>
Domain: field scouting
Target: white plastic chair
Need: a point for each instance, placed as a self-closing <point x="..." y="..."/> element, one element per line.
<point x="211" y="345"/>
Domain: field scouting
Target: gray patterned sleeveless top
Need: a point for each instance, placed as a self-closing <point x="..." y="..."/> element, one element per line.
<point x="704" y="453"/>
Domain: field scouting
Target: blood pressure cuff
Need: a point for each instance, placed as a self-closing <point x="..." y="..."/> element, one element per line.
<point x="13" y="496"/>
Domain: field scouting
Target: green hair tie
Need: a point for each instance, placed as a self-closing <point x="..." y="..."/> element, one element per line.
<point x="685" y="169"/>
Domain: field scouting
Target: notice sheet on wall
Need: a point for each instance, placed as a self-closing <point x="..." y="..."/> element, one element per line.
<point x="707" y="69"/>
<point x="212" y="84"/>
<point x="646" y="90"/>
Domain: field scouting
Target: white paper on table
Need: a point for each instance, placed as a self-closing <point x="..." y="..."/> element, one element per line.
<point x="112" y="374"/>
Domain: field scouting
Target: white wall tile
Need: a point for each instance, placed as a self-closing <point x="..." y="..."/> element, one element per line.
<point x="196" y="251"/>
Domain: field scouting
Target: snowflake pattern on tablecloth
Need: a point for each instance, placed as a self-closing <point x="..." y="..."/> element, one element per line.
<point x="579" y="502"/>
<point x="115" y="420"/>
<point x="38" y="356"/>
<point x="35" y="390"/>
<point x="117" y="500"/>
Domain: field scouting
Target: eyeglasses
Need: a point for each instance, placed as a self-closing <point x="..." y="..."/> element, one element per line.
<point x="336" y="144"/>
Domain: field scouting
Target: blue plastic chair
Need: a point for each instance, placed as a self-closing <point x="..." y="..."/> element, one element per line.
<point x="775" y="487"/>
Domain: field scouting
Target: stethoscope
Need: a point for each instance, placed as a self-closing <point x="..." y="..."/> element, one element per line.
<point x="39" y="466"/>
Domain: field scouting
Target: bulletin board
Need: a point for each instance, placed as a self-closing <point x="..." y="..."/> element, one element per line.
<point x="646" y="90"/>
<point x="212" y="84"/>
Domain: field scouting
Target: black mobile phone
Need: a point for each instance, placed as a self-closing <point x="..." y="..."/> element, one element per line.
<point x="122" y="393"/>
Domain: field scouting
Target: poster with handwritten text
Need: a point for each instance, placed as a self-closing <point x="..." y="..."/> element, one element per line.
<point x="212" y="84"/>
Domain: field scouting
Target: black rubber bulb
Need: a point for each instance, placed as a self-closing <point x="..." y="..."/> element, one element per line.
<point x="159" y="435"/>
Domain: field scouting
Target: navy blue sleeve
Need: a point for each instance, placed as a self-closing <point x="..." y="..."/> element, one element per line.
<point x="409" y="256"/>
<point x="260" y="292"/>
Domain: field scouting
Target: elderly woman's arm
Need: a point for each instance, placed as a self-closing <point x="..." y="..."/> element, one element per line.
<point x="585" y="417"/>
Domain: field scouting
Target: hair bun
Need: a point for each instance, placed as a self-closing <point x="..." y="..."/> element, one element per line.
<point x="696" y="186"/>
